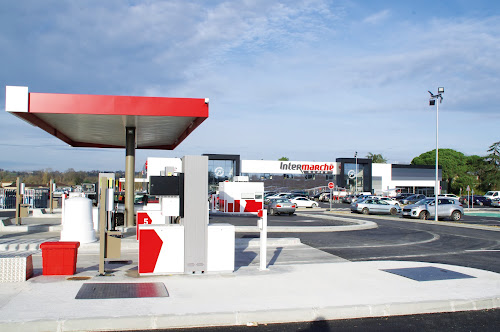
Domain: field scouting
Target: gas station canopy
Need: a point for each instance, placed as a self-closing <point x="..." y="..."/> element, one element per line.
<point x="101" y="121"/>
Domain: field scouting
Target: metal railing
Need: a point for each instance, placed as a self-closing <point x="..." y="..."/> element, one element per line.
<point x="35" y="198"/>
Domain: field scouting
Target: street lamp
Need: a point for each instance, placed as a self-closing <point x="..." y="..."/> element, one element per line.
<point x="432" y="102"/>
<point x="356" y="173"/>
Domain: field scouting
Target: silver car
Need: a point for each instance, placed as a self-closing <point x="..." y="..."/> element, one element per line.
<point x="277" y="206"/>
<point x="370" y="205"/>
<point x="425" y="209"/>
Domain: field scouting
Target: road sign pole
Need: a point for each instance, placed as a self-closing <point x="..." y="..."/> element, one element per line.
<point x="331" y="185"/>
<point x="472" y="198"/>
<point x="468" y="198"/>
<point x="331" y="198"/>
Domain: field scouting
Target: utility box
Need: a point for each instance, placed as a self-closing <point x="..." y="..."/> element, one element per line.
<point x="113" y="244"/>
<point x="59" y="258"/>
<point x="24" y="210"/>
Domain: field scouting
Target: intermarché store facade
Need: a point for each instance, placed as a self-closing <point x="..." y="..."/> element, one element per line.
<point x="349" y="173"/>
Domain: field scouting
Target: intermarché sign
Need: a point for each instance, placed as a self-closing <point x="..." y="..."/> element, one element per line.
<point x="307" y="167"/>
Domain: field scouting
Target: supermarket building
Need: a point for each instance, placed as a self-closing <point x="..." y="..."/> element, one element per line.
<point x="348" y="173"/>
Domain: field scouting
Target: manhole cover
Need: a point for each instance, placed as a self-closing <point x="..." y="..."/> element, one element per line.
<point x="428" y="273"/>
<point x="121" y="290"/>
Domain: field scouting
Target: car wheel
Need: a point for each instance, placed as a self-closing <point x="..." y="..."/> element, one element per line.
<point x="365" y="211"/>
<point x="290" y="213"/>
<point x="315" y="205"/>
<point x="394" y="211"/>
<point x="456" y="215"/>
<point x="423" y="215"/>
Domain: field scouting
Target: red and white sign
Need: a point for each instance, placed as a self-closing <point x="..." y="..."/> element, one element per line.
<point x="331" y="185"/>
<point x="288" y="167"/>
<point x="161" y="249"/>
<point x="148" y="218"/>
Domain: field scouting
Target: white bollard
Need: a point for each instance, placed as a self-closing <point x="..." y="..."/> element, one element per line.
<point x="262" y="222"/>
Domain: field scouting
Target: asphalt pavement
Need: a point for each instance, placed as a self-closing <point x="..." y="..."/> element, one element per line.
<point x="300" y="284"/>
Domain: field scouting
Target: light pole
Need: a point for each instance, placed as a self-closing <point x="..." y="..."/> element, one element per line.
<point x="432" y="102"/>
<point x="356" y="173"/>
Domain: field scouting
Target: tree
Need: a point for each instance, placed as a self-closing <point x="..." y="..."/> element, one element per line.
<point x="494" y="156"/>
<point x="376" y="158"/>
<point x="283" y="159"/>
<point x="453" y="165"/>
<point x="491" y="178"/>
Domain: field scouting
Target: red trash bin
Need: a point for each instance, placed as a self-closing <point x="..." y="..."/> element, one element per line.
<point x="59" y="258"/>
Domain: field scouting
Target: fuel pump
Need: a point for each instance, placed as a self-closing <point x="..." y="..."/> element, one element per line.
<point x="170" y="190"/>
<point x="109" y="237"/>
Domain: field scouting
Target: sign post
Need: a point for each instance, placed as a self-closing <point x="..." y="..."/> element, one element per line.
<point x="472" y="196"/>
<point x="331" y="185"/>
<point x="468" y="199"/>
<point x="262" y="223"/>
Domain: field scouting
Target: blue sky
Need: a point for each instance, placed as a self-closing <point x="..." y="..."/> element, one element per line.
<point x="310" y="80"/>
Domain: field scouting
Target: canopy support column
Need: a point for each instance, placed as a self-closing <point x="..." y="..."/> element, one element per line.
<point x="129" y="177"/>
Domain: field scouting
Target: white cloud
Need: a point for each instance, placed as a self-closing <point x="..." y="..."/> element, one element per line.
<point x="378" y="17"/>
<point x="272" y="70"/>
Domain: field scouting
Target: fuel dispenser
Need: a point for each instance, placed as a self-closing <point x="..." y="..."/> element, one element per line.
<point x="109" y="237"/>
<point x="174" y="236"/>
<point x="170" y="190"/>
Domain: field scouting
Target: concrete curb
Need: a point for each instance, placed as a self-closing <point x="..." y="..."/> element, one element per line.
<point x="432" y="222"/>
<point x="252" y="318"/>
<point x="357" y="225"/>
<point x="454" y="224"/>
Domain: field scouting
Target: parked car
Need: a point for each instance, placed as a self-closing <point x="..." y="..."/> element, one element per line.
<point x="452" y="196"/>
<point x="371" y="205"/>
<point x="388" y="200"/>
<point x="476" y="199"/>
<point x="325" y="197"/>
<point x="402" y="196"/>
<point x="360" y="197"/>
<point x="412" y="199"/>
<point x="294" y="195"/>
<point x="495" y="202"/>
<point x="278" y="206"/>
<point x="304" y="202"/>
<point x="317" y="196"/>
<point x="446" y="196"/>
<point x="493" y="195"/>
<point x="269" y="193"/>
<point x="300" y="193"/>
<point x="425" y="209"/>
<point x="347" y="199"/>
<point x="278" y="195"/>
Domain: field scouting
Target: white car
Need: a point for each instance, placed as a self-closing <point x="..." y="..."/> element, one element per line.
<point x="278" y="195"/>
<point x="446" y="196"/>
<point x="304" y="202"/>
<point x="387" y="200"/>
<point x="493" y="195"/>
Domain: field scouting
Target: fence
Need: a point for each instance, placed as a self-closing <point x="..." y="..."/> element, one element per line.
<point x="35" y="198"/>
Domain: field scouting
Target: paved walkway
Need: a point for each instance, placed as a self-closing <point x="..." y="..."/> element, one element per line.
<point x="301" y="284"/>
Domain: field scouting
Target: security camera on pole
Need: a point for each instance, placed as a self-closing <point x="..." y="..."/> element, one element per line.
<point x="432" y="102"/>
